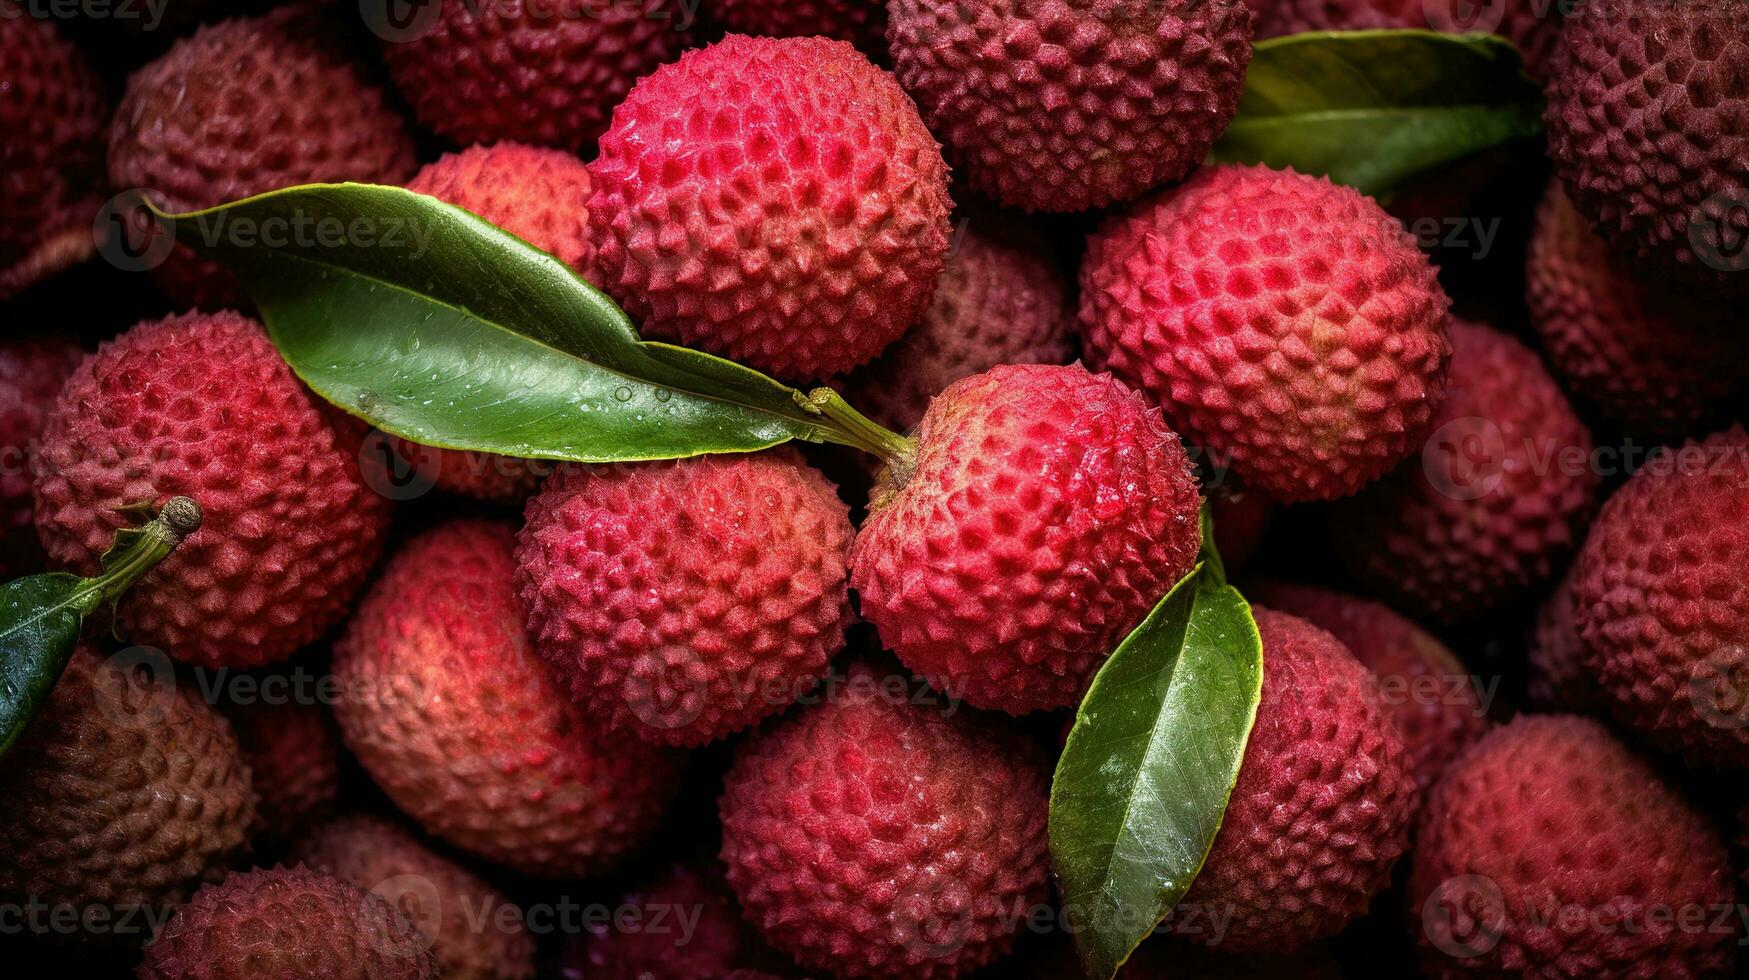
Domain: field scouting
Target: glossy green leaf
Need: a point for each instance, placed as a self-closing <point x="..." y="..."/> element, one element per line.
<point x="435" y="325"/>
<point x="1144" y="780"/>
<point x="1373" y="108"/>
<point x="40" y="618"/>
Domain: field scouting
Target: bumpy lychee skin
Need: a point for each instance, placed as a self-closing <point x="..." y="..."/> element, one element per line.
<point x="1662" y="603"/>
<point x="540" y="73"/>
<point x="1044" y="512"/>
<point x="1285" y="324"/>
<point x="288" y="922"/>
<point x="1646" y="126"/>
<point x="203" y="406"/>
<point x="1427" y="692"/>
<point x="683" y="601"/>
<point x="51" y="151"/>
<point x="541" y="195"/>
<point x="120" y="796"/>
<point x="861" y="22"/>
<point x="31" y="375"/>
<point x="461" y="724"/>
<point x="244" y="107"/>
<point x="1551" y="850"/>
<point x="1071" y="106"/>
<point x="1002" y="300"/>
<point x="1531" y="26"/>
<point x="293" y="754"/>
<point x="1322" y="806"/>
<point x="460" y="916"/>
<point x="657" y="943"/>
<point x="871" y="836"/>
<point x="1560" y="677"/>
<point x="1650" y="356"/>
<point x="1496" y="501"/>
<point x="778" y="202"/>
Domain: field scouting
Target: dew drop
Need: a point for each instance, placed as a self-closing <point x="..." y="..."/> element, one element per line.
<point x="622" y="394"/>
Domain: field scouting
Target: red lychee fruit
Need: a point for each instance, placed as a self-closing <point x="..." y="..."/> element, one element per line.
<point x="31" y="375"/>
<point x="683" y="601"/>
<point x="475" y="931"/>
<point x="542" y="196"/>
<point x="1532" y="26"/>
<point x="293" y="754"/>
<point x="1002" y="300"/>
<point x="685" y="923"/>
<point x="461" y="724"/>
<point x="1241" y="519"/>
<point x="1646" y="126"/>
<point x="1497" y="499"/>
<point x="244" y="107"/>
<point x="1321" y="809"/>
<point x="541" y="73"/>
<point x="1427" y="692"/>
<point x="203" y="406"/>
<point x="1288" y="326"/>
<point x="1663" y="605"/>
<point x="1550" y="850"/>
<point x="861" y="22"/>
<point x="871" y="835"/>
<point x="1071" y="106"/>
<point x="52" y="113"/>
<point x="287" y="922"/>
<point x="1560" y="678"/>
<point x="778" y="202"/>
<point x="121" y="796"/>
<point x="1649" y="356"/>
<point x="1043" y="514"/>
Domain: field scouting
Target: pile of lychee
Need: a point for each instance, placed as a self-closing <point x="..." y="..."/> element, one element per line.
<point x="793" y="713"/>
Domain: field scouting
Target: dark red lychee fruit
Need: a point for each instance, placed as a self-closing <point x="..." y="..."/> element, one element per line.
<point x="686" y="923"/>
<point x="31" y="375"/>
<point x="1560" y="677"/>
<point x="293" y="753"/>
<point x="861" y="22"/>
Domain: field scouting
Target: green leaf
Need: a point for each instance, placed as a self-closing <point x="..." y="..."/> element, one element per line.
<point x="40" y="617"/>
<point x="1144" y="780"/>
<point x="1373" y="108"/>
<point x="435" y="325"/>
<point x="1210" y="556"/>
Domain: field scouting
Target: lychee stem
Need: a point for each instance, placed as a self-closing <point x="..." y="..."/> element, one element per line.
<point x="857" y="429"/>
<point x="179" y="517"/>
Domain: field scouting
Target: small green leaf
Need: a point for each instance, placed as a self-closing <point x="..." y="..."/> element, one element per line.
<point x="1373" y="108"/>
<point x="1210" y="556"/>
<point x="1143" y="782"/>
<point x="435" y="325"/>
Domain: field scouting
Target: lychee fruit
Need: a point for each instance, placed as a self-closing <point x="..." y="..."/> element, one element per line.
<point x="1322" y="806"/>
<point x="1662" y="603"/>
<point x="1071" y="106"/>
<point x="685" y="923"/>
<point x="1496" y="501"/>
<point x="475" y="931"/>
<point x="31" y="375"/>
<point x="1001" y="300"/>
<point x="121" y="796"/>
<point x="1549" y="849"/>
<point x="446" y="706"/>
<point x="1427" y="692"/>
<point x="203" y="406"/>
<point x="1647" y="355"/>
<point x="244" y="107"/>
<point x="777" y="202"/>
<point x="51" y="151"/>
<point x="873" y="835"/>
<point x="1530" y="25"/>
<point x="1043" y="513"/>
<point x="293" y="753"/>
<point x="288" y="922"/>
<point x="1646" y="127"/>
<point x="541" y="195"/>
<point x="861" y="22"/>
<point x="1288" y="326"/>
<point x="546" y="74"/>
<point x="683" y="601"/>
<point x="1560" y="678"/>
